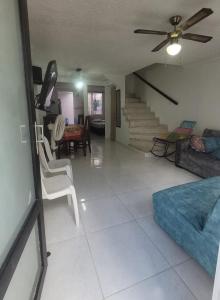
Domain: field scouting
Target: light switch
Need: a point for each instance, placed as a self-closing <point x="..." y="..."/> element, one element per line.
<point x="23" y="134"/>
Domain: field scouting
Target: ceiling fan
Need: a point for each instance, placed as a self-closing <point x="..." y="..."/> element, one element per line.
<point x="178" y="32"/>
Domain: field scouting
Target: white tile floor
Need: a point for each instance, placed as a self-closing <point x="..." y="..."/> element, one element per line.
<point x="118" y="252"/>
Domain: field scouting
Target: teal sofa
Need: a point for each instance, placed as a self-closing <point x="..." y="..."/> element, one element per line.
<point x="190" y="214"/>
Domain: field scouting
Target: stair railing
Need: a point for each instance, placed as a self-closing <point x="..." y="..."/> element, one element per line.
<point x="156" y="89"/>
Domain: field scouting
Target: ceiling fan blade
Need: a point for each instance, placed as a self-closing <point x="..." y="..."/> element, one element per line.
<point x="199" y="16"/>
<point x="145" y="31"/>
<point x="161" y="45"/>
<point x="196" y="37"/>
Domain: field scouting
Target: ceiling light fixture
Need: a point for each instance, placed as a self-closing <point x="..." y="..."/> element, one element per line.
<point x="79" y="84"/>
<point x="174" y="48"/>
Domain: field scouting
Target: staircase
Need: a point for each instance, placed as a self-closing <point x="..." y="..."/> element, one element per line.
<point x="143" y="124"/>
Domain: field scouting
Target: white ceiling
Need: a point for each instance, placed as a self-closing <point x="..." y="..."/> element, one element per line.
<point x="97" y="35"/>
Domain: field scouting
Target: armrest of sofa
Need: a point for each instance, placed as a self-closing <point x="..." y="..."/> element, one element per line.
<point x="181" y="145"/>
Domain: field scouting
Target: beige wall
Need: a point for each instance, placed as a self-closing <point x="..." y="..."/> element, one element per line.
<point x="196" y="87"/>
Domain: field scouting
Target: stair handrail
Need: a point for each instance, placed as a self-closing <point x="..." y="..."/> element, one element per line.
<point x="155" y="88"/>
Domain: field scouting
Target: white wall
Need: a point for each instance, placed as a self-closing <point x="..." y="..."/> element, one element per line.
<point x="129" y="85"/>
<point x="196" y="87"/>
<point x="67" y="107"/>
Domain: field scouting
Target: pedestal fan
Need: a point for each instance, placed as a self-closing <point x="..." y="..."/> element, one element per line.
<point x="56" y="133"/>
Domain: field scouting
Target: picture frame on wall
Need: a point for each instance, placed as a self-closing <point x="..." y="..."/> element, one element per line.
<point x="118" y="108"/>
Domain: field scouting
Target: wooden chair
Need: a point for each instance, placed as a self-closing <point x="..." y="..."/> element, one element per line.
<point x="81" y="119"/>
<point x="84" y="139"/>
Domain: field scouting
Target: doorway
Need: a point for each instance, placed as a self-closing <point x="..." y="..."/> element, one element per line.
<point x="96" y="110"/>
<point x="113" y="113"/>
<point x="67" y="106"/>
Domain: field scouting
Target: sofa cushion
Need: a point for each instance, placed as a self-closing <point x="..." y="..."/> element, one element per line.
<point x="203" y="164"/>
<point x="199" y="245"/>
<point x="216" y="153"/>
<point x="212" y="225"/>
<point x="211" y="143"/>
<point x="193" y="200"/>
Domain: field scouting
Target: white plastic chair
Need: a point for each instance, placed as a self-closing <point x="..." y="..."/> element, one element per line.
<point x="59" y="186"/>
<point x="47" y="148"/>
<point x="54" y="166"/>
<point x="63" y="162"/>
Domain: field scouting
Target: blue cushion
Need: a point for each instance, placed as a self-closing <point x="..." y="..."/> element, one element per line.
<point x="193" y="200"/>
<point x="201" y="244"/>
<point x="211" y="143"/>
<point x="216" y="153"/>
<point x="188" y="124"/>
<point x="212" y="225"/>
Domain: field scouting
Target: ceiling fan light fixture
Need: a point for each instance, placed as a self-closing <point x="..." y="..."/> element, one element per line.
<point x="79" y="85"/>
<point x="174" y="49"/>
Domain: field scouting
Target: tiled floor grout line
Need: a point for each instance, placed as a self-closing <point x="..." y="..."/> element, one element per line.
<point x="90" y="253"/>
<point x="110" y="227"/>
<point x="139" y="282"/>
<point x="133" y="220"/>
<point x="65" y="240"/>
<point x="171" y="266"/>
<point x="94" y="265"/>
<point x="153" y="243"/>
<point x="185" y="284"/>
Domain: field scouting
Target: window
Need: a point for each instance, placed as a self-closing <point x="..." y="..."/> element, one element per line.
<point x="95" y="103"/>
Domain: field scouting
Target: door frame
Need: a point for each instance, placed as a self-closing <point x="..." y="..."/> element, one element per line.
<point x="113" y="113"/>
<point x="36" y="214"/>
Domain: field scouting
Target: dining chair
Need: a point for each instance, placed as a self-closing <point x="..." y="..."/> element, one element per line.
<point x="81" y="119"/>
<point x="84" y="139"/>
<point x="58" y="186"/>
<point x="54" y="166"/>
<point x="56" y="163"/>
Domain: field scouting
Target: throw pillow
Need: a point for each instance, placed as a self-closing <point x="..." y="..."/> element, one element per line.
<point x="188" y="124"/>
<point x="197" y="143"/>
<point x="184" y="131"/>
<point x="211" y="143"/>
<point x="179" y="133"/>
